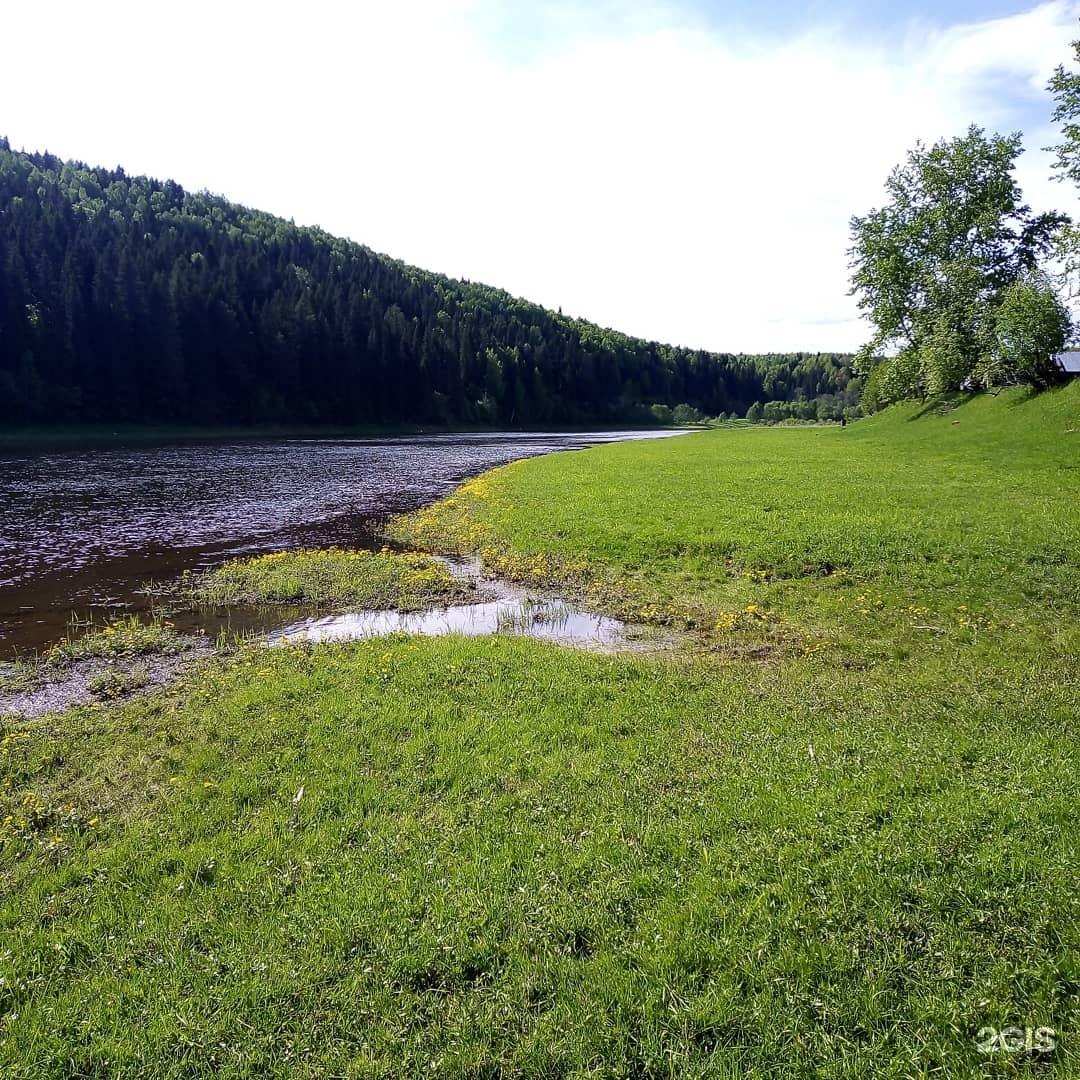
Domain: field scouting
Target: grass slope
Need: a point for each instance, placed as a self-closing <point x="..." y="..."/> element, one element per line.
<point x="499" y="858"/>
<point x="971" y="506"/>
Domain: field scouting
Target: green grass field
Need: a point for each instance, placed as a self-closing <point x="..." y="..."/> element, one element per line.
<point x="834" y="835"/>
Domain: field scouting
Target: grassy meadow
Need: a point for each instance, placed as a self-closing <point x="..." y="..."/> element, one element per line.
<point x="835" y="834"/>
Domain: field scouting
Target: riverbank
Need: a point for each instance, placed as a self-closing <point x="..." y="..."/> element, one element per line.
<point x="85" y="531"/>
<point x="836" y="837"/>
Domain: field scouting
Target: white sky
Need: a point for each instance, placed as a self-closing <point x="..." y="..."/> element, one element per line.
<point x="669" y="177"/>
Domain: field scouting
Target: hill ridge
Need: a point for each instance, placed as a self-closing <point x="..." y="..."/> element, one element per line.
<point x="130" y="299"/>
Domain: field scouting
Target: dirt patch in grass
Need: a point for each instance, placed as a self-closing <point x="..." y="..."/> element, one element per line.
<point x="121" y="659"/>
<point x="86" y="681"/>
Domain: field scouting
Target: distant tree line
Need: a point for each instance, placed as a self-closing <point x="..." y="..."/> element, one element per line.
<point x="126" y="299"/>
<point x="825" y="407"/>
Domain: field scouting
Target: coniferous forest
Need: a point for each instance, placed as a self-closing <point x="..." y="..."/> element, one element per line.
<point x="125" y="299"/>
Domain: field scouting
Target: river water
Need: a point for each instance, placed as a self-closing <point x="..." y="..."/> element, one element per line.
<point x="82" y="530"/>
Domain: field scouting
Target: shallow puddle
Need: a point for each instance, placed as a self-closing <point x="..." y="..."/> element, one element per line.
<point x="549" y="620"/>
<point x="503" y="609"/>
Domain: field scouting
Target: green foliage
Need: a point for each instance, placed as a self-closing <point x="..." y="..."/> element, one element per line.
<point x="825" y="407"/>
<point x="1065" y="88"/>
<point x="773" y="412"/>
<point x="876" y="386"/>
<point x="18" y="676"/>
<point x="687" y="414"/>
<point x="330" y="576"/>
<point x="1030" y="326"/>
<point x="121" y="638"/>
<point x="895" y="379"/>
<point x="931" y="266"/>
<point x="182" y="308"/>
<point x="113" y="683"/>
<point x="946" y="357"/>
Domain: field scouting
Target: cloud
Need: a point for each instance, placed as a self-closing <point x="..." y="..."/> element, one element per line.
<point x="650" y="173"/>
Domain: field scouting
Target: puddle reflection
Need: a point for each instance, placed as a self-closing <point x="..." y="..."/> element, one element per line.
<point x="548" y="620"/>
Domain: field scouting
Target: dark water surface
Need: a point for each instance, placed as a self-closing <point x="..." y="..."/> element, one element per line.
<point x="82" y="530"/>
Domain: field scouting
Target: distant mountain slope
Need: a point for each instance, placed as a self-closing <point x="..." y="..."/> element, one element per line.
<point x="129" y="299"/>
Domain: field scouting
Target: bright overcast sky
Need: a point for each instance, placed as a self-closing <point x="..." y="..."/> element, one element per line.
<point x="680" y="169"/>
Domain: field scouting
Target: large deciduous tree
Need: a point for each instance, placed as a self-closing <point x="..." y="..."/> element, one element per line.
<point x="931" y="267"/>
<point x="1065" y="88"/>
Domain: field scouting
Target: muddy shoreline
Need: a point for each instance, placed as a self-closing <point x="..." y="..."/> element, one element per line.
<point x="55" y="689"/>
<point x="50" y="685"/>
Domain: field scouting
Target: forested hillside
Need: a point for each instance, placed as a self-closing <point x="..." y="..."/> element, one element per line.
<point x="129" y="299"/>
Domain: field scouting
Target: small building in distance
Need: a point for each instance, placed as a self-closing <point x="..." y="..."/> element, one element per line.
<point x="1069" y="362"/>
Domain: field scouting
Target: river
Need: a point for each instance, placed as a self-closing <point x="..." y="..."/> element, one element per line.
<point x="81" y="531"/>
